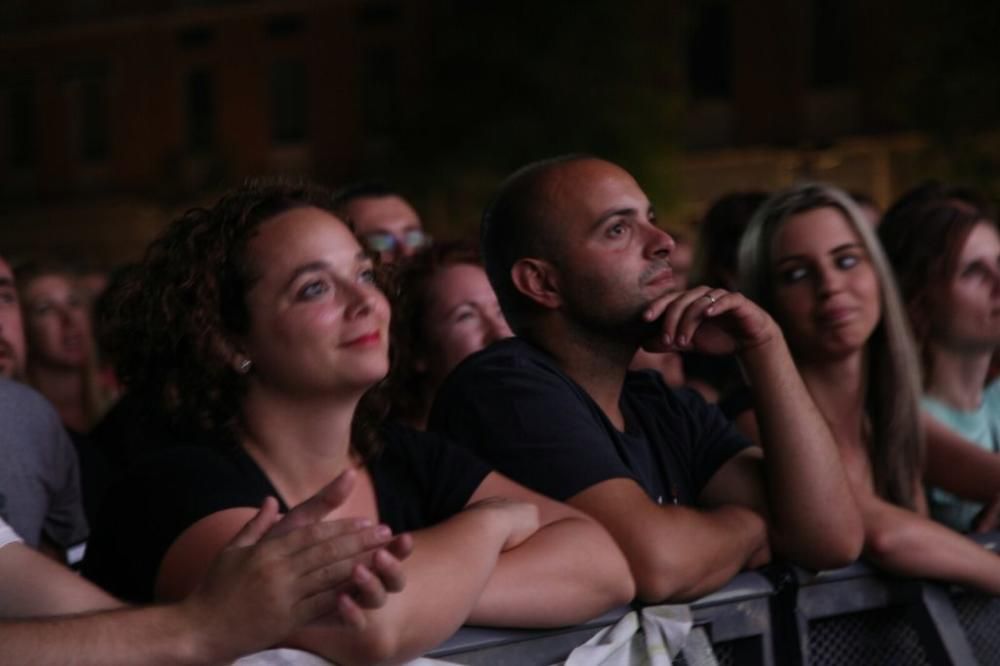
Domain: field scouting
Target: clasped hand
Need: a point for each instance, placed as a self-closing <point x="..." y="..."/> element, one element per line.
<point x="278" y="574"/>
<point x="707" y="320"/>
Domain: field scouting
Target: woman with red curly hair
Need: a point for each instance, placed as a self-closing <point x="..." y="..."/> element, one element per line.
<point x="945" y="248"/>
<point x="259" y="326"/>
<point x="444" y="310"/>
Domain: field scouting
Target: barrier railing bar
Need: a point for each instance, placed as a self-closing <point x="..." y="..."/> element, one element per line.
<point x="775" y="606"/>
<point x="943" y="635"/>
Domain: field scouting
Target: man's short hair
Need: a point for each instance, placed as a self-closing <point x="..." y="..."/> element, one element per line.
<point x="367" y="189"/>
<point x="514" y="227"/>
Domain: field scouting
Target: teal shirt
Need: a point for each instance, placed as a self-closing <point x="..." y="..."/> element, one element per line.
<point x="980" y="426"/>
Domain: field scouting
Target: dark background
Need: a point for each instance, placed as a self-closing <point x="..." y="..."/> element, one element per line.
<point x="117" y="114"/>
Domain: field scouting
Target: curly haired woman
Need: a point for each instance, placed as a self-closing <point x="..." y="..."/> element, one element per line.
<point x="259" y="324"/>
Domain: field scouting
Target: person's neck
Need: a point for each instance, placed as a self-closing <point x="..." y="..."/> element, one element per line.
<point x="301" y="443"/>
<point x="956" y="377"/>
<point x="595" y="362"/>
<point x="838" y="387"/>
<point x="63" y="387"/>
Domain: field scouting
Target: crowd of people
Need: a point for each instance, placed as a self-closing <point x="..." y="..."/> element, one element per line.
<point x="298" y="406"/>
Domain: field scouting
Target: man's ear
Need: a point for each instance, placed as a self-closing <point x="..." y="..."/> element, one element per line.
<point x="538" y="280"/>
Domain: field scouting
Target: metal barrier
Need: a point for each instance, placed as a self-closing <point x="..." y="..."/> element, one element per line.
<point x="736" y="618"/>
<point x="784" y="615"/>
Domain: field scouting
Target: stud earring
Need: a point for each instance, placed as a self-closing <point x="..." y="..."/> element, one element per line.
<point x="245" y="366"/>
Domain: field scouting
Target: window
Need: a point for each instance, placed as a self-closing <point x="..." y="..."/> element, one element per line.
<point x="289" y="25"/>
<point x="89" y="109"/>
<point x="21" y="126"/>
<point x="832" y="60"/>
<point x="379" y="87"/>
<point x="195" y="37"/>
<point x="379" y="13"/>
<point x="200" y="103"/>
<point x="289" y="111"/>
<point x="710" y="50"/>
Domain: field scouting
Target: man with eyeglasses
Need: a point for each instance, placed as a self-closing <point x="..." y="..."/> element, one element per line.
<point x="383" y="219"/>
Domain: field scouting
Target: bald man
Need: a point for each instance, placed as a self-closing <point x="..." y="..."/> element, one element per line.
<point x="584" y="278"/>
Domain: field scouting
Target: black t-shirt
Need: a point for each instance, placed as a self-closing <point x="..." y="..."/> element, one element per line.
<point x="95" y="473"/>
<point x="420" y="479"/>
<point x="516" y="409"/>
<point x="719" y="372"/>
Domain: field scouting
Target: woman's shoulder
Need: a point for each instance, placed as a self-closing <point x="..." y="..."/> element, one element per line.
<point x="148" y="507"/>
<point x="190" y="479"/>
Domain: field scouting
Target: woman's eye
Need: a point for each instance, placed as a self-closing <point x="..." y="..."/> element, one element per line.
<point x="847" y="261"/>
<point x="792" y="275"/>
<point x="974" y="270"/>
<point x="367" y="276"/>
<point x="314" y="289"/>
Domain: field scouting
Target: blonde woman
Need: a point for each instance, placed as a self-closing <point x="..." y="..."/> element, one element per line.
<point x="62" y="362"/>
<point x="811" y="259"/>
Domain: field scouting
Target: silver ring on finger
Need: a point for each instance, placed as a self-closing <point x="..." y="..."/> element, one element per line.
<point x="712" y="299"/>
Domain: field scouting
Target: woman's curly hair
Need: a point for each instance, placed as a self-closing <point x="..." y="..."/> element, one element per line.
<point x="408" y="390"/>
<point x="171" y="319"/>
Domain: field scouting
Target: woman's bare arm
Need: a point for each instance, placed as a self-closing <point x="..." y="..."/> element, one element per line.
<point x="906" y="543"/>
<point x="450" y="565"/>
<point x="487" y="563"/>
<point x="959" y="466"/>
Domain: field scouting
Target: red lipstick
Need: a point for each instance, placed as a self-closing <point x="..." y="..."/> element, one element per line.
<point x="365" y="340"/>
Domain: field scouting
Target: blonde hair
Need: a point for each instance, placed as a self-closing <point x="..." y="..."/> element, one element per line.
<point x="96" y="397"/>
<point x="892" y="383"/>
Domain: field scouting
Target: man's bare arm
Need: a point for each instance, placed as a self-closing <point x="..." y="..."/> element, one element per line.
<point x="32" y="584"/>
<point x="675" y="553"/>
<point x="154" y="635"/>
<point x="802" y="476"/>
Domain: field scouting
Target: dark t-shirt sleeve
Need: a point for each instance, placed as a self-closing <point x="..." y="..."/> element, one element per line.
<point x="715" y="439"/>
<point x="422" y="478"/>
<point x="529" y="422"/>
<point x="144" y="514"/>
<point x="737" y="400"/>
